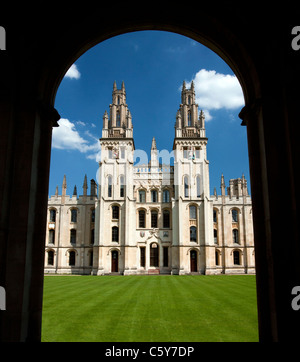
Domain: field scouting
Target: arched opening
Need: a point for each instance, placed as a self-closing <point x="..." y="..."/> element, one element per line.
<point x="193" y="261"/>
<point x="114" y="261"/>
<point x="154" y="255"/>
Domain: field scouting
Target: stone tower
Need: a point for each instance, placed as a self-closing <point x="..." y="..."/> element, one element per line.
<point x="116" y="203"/>
<point x="192" y="238"/>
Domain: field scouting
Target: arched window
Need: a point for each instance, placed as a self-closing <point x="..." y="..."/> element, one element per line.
<point x="166" y="219"/>
<point x="122" y="186"/>
<point x="115" y="212"/>
<point x="193" y="233"/>
<point x="154" y="219"/>
<point x="74" y="215"/>
<point x="92" y="215"/>
<point x="154" y="259"/>
<point x="142" y="196"/>
<point x="118" y="119"/>
<point x="198" y="184"/>
<point x="109" y="186"/>
<point x="142" y="219"/>
<point x="52" y="215"/>
<point x="193" y="212"/>
<point x="73" y="236"/>
<point x="72" y="257"/>
<point x="51" y="236"/>
<point x="186" y="186"/>
<point x="217" y="256"/>
<point x="50" y="260"/>
<point x="189" y="119"/>
<point x="214" y="215"/>
<point x="234" y="213"/>
<point x="115" y="234"/>
<point x="91" y="258"/>
<point x="92" y="236"/>
<point x="166" y="196"/>
<point x="154" y="196"/>
<point x="236" y="257"/>
<point x="235" y="236"/>
<point x="215" y="236"/>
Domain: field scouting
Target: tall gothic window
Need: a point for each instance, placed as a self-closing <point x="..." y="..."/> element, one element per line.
<point x="118" y="120"/>
<point x="186" y="186"/>
<point x="115" y="212"/>
<point x="72" y="258"/>
<point x="74" y="215"/>
<point x="166" y="219"/>
<point x="73" y="236"/>
<point x="166" y="196"/>
<point x="198" y="182"/>
<point x="193" y="233"/>
<point x="234" y="215"/>
<point x="50" y="260"/>
<point x="236" y="257"/>
<point x="154" y="196"/>
<point x="235" y="236"/>
<point x="193" y="212"/>
<point x="189" y="119"/>
<point x="142" y="219"/>
<point x="51" y="236"/>
<point x="122" y="186"/>
<point x="109" y="186"/>
<point x="154" y="219"/>
<point x="52" y="215"/>
<point x="142" y="196"/>
<point x="115" y="234"/>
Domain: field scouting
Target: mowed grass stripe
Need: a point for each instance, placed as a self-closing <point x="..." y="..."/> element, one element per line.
<point x="149" y="308"/>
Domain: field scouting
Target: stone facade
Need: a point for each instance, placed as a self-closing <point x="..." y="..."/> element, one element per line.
<point x="151" y="218"/>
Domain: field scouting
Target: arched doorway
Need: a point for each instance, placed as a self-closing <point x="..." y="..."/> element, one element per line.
<point x="114" y="261"/>
<point x="193" y="261"/>
<point x="154" y="255"/>
<point x="29" y="95"/>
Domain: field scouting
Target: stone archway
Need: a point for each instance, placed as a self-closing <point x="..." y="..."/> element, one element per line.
<point x="31" y="71"/>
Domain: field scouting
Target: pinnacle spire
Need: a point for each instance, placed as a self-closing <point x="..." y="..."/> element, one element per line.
<point x="153" y="145"/>
<point x="85" y="186"/>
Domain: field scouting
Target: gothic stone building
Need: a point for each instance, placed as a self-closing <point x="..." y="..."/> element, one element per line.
<point x="151" y="218"/>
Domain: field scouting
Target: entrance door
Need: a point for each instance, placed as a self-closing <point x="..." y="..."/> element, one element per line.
<point x="114" y="261"/>
<point x="193" y="256"/>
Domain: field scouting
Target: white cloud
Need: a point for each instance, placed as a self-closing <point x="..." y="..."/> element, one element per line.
<point x="66" y="137"/>
<point x="73" y="72"/>
<point x="216" y="90"/>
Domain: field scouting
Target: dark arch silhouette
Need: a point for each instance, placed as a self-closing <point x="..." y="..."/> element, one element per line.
<point x="255" y="43"/>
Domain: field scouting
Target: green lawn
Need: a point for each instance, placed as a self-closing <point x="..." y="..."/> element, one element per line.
<point x="161" y="308"/>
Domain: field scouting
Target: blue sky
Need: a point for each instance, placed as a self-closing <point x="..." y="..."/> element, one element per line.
<point x="153" y="65"/>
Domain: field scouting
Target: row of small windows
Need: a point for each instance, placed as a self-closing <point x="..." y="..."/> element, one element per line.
<point x="186" y="183"/>
<point x="235" y="236"/>
<point x="234" y="215"/>
<point x="154" y="196"/>
<point x="72" y="258"/>
<point x="154" y="219"/>
<point x="236" y="257"/>
<point x="122" y="186"/>
<point x="73" y="236"/>
<point x="74" y="215"/>
<point x="154" y="257"/>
